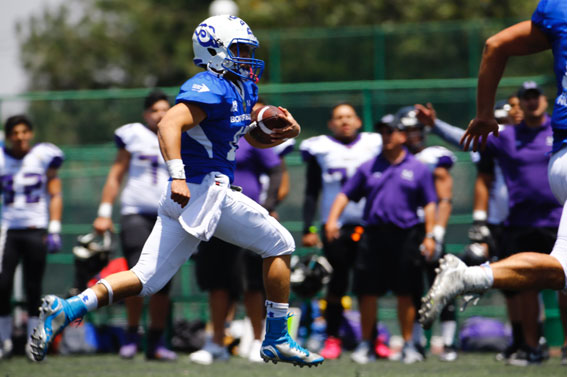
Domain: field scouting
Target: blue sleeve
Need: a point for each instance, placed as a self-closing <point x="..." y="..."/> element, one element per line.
<point x="206" y="94"/>
<point x="306" y="156"/>
<point x="550" y="17"/>
<point x="354" y="187"/>
<point x="56" y="162"/>
<point x="445" y="162"/>
<point x="287" y="150"/>
<point x="447" y="132"/>
<point x="120" y="144"/>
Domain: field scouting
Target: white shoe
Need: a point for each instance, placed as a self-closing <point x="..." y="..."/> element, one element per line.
<point x="364" y="353"/>
<point x="254" y="353"/>
<point x="410" y="354"/>
<point x="209" y="353"/>
<point x="449" y="283"/>
<point x="7" y="348"/>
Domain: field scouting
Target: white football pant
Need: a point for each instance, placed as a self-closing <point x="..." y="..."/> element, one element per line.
<point x="243" y="222"/>
<point x="557" y="175"/>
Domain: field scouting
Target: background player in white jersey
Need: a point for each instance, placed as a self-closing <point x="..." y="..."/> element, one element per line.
<point x="198" y="139"/>
<point x="139" y="157"/>
<point x="31" y="218"/>
<point x="439" y="160"/>
<point x="331" y="160"/>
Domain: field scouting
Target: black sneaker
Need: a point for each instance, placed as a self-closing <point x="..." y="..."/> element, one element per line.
<point x="507" y="353"/>
<point x="544" y="347"/>
<point x="526" y="356"/>
<point x="421" y="349"/>
<point x="564" y="355"/>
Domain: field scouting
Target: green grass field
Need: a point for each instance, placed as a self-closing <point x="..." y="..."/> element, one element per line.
<point x="470" y="365"/>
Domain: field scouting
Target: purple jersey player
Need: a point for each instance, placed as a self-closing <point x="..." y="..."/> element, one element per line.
<point x="395" y="185"/>
<point x="522" y="152"/>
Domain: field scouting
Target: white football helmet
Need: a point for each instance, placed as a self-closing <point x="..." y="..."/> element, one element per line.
<point x="212" y="40"/>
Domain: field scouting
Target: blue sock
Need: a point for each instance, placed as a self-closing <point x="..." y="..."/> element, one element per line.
<point x="276" y="309"/>
<point x="77" y="308"/>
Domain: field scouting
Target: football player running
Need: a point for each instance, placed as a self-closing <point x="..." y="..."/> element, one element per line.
<point x="31" y="218"/>
<point x="226" y="271"/>
<point x="522" y="271"/>
<point x="139" y="156"/>
<point x="198" y="139"/>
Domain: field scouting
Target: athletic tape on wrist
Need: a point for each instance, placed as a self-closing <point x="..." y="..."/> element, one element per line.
<point x="108" y="288"/>
<point x="176" y="168"/>
<point x="54" y="227"/>
<point x="479" y="215"/>
<point x="438" y="233"/>
<point x="105" y="210"/>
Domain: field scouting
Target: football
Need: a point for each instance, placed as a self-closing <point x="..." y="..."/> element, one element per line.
<point x="264" y="120"/>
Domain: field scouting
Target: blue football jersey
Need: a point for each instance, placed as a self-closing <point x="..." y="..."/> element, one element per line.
<point x="211" y="145"/>
<point x="550" y="17"/>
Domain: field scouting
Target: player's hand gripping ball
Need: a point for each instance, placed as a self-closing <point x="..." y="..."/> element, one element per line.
<point x="264" y="120"/>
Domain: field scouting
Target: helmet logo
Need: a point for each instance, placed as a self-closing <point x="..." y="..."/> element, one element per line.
<point x="204" y="36"/>
<point x="212" y="41"/>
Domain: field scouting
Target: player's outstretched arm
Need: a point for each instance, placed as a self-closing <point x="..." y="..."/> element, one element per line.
<point x="178" y="119"/>
<point x="103" y="221"/>
<point x="523" y="38"/>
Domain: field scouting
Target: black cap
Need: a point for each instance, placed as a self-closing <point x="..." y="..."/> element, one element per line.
<point x="529" y="87"/>
<point x="388" y="120"/>
<point x="405" y="118"/>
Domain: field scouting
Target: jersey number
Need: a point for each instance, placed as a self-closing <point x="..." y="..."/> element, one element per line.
<point x="32" y="188"/>
<point x="340" y="171"/>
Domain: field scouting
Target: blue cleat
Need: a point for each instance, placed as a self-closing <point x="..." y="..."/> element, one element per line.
<point x="55" y="314"/>
<point x="279" y="346"/>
